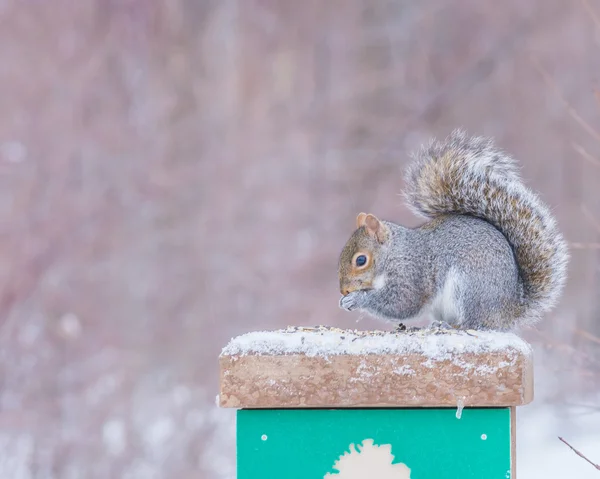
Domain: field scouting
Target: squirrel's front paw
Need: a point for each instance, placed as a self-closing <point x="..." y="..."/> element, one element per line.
<point x="350" y="301"/>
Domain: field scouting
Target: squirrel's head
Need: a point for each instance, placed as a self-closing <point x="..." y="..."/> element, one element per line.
<point x="357" y="267"/>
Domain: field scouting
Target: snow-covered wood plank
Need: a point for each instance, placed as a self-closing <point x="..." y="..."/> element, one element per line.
<point x="329" y="367"/>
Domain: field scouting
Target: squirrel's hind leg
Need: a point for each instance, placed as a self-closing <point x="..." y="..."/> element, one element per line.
<point x="483" y="307"/>
<point x="446" y="307"/>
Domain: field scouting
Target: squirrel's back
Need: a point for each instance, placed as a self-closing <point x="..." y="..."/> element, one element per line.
<point x="470" y="176"/>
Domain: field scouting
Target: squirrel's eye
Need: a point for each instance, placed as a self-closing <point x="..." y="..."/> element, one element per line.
<point x="361" y="260"/>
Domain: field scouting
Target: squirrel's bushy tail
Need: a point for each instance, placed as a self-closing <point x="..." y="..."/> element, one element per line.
<point x="463" y="175"/>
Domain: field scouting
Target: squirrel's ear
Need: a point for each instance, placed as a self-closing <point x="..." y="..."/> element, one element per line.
<point x="360" y="220"/>
<point x="376" y="228"/>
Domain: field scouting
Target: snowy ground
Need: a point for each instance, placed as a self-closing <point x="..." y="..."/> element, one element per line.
<point x="541" y="455"/>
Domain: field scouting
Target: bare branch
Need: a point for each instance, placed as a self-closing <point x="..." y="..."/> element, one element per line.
<point x="587" y="335"/>
<point x="584" y="246"/>
<point x="572" y="112"/>
<point x="581" y="150"/>
<point x="579" y="454"/>
<point x="590" y="217"/>
<point x="592" y="12"/>
<point x="565" y="348"/>
<point x="597" y="95"/>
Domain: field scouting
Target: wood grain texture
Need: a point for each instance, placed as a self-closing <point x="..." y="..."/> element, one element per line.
<point x="500" y="378"/>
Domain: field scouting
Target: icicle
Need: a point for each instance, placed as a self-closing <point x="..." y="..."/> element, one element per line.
<point x="460" y="404"/>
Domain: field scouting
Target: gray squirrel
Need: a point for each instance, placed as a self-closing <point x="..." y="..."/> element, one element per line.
<point x="489" y="257"/>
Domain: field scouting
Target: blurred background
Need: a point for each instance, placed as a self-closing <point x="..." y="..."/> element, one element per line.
<point x="177" y="173"/>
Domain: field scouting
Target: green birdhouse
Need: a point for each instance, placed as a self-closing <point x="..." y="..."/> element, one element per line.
<point x="325" y="403"/>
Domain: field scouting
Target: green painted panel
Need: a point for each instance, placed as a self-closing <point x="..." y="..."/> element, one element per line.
<point x="432" y="443"/>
